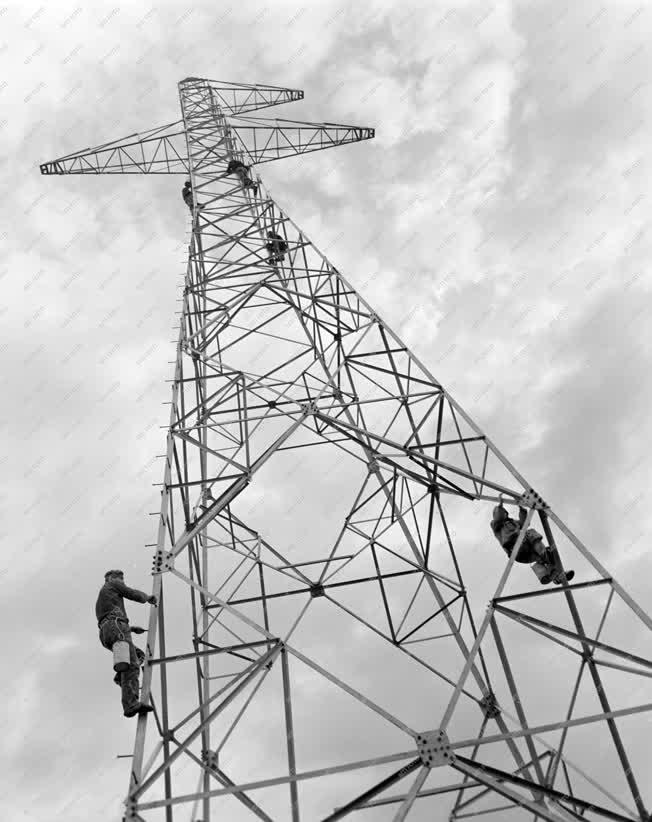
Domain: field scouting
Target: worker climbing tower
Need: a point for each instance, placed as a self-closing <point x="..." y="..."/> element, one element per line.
<point x="322" y="646"/>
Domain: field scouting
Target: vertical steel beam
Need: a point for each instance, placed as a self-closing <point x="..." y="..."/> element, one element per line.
<point x="289" y="732"/>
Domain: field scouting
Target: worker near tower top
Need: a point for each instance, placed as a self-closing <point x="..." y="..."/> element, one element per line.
<point x="239" y="168"/>
<point x="532" y="550"/>
<point x="115" y="636"/>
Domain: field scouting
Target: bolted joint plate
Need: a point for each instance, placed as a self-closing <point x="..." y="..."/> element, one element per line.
<point x="163" y="561"/>
<point x="210" y="758"/>
<point x="490" y="706"/>
<point x="373" y="466"/>
<point x="434" y="749"/>
<point x="309" y="408"/>
<point x="530" y="499"/>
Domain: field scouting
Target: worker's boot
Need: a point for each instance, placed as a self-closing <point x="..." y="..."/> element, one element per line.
<point x="563" y="577"/>
<point x="138" y="708"/>
<point x="543" y="572"/>
<point x="130" y="690"/>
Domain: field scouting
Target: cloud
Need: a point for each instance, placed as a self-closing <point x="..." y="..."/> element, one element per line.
<point x="60" y="645"/>
<point x="22" y="705"/>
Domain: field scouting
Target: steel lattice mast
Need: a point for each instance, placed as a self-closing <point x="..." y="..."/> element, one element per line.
<point x="281" y="357"/>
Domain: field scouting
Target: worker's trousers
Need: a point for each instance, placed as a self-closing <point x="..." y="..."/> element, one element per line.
<point x="245" y="179"/>
<point x="533" y="551"/>
<point x="112" y="630"/>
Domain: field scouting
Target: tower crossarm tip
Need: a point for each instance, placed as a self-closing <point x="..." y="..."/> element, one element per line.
<point x="160" y="150"/>
<point x="239" y="98"/>
<point x="265" y="140"/>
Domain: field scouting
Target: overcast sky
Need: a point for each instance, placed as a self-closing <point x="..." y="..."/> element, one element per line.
<point x="499" y="223"/>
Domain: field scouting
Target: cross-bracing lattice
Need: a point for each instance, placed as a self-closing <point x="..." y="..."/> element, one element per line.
<point x="323" y="546"/>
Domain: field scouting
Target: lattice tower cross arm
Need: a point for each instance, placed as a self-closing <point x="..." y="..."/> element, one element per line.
<point x="163" y="149"/>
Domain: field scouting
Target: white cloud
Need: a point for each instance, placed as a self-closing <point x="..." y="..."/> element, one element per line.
<point x="22" y="707"/>
<point x="55" y="646"/>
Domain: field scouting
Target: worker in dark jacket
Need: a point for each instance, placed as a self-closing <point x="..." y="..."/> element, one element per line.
<point x="532" y="550"/>
<point x="276" y="247"/>
<point x="186" y="193"/>
<point x="242" y="171"/>
<point x="115" y="635"/>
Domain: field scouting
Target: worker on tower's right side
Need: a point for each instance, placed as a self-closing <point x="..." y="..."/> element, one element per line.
<point x="242" y="171"/>
<point x="276" y="247"/>
<point x="532" y="550"/>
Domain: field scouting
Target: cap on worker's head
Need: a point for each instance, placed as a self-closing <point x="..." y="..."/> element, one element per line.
<point x="114" y="573"/>
<point x="187" y="182"/>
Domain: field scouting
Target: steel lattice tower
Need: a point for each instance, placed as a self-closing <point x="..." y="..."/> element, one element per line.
<point x="322" y="495"/>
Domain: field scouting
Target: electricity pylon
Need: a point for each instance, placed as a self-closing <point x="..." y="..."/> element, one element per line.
<point x="315" y="652"/>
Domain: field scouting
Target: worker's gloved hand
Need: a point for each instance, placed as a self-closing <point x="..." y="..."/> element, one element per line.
<point x="152" y="600"/>
<point x="135" y="629"/>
